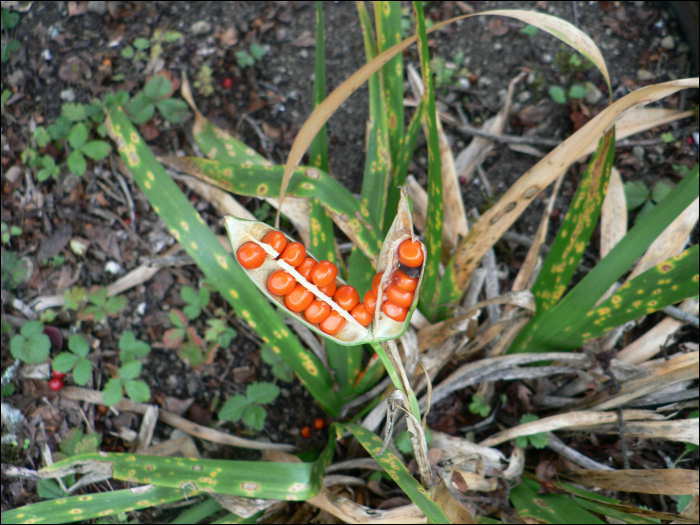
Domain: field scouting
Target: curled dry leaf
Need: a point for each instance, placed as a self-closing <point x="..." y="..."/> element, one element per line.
<point x="382" y="326"/>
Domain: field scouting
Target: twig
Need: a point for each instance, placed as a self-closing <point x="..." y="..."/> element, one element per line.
<point x="682" y="316"/>
<point x="125" y="190"/>
<point x="469" y="130"/>
<point x="572" y="455"/>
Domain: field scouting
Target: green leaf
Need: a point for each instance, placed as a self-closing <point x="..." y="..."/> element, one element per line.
<point x="112" y="392"/>
<point x="73" y="112"/>
<point x="60" y="127"/>
<point x="7" y="390"/>
<point x="76" y="163"/>
<point x="41" y="136"/>
<point x="254" y="417"/>
<point x="127" y="53"/>
<point x="96" y="149"/>
<point x="478" y="406"/>
<point x="577" y="91"/>
<point x="177" y="318"/>
<point x="189" y="295"/>
<point x="244" y="59"/>
<point x="661" y="189"/>
<point x="49" y="489"/>
<point x="233" y="408"/>
<point x="667" y="137"/>
<point x="115" y="305"/>
<point x="77" y="136"/>
<point x="262" y="392"/>
<point x="538" y="440"/>
<point x="547" y="507"/>
<point x="9" y="19"/>
<point x="137" y="391"/>
<point x="82" y="372"/>
<point x="140" y="109"/>
<point x="141" y="43"/>
<point x="64" y="362"/>
<point x="70" y="441"/>
<point x="557" y="94"/>
<point x="529" y="30"/>
<point x="130" y="370"/>
<point x="403" y="443"/>
<point x="648" y="206"/>
<point x="682" y="502"/>
<point x="73" y="297"/>
<point x="257" y="51"/>
<point x="173" y="338"/>
<point x="521" y="441"/>
<point x="87" y="445"/>
<point x="78" y="345"/>
<point x="173" y="110"/>
<point x="191" y="353"/>
<point x="280" y="369"/>
<point x="157" y="88"/>
<point x="131" y="348"/>
<point x="636" y="194"/>
<point x="31" y="345"/>
<point x="171" y="36"/>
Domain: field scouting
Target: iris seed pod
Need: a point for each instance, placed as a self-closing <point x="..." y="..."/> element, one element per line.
<point x="382" y="327"/>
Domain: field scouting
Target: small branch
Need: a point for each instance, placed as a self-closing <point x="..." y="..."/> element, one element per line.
<point x="682" y="316"/>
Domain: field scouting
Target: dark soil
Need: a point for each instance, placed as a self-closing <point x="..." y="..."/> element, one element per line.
<point x="274" y="95"/>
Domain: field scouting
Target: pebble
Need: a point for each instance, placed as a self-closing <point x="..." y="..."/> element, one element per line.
<point x="638" y="152"/>
<point x="200" y="28"/>
<point x="593" y="94"/>
<point x="524" y="96"/>
<point x="668" y="42"/>
<point x="645" y="75"/>
<point x="68" y="95"/>
<point x="113" y="267"/>
<point x="484" y="82"/>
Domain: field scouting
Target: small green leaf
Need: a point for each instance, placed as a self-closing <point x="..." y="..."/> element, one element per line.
<point x="173" y="110"/>
<point x="73" y="297"/>
<point x="112" y="392"/>
<point x="130" y="370"/>
<point x="682" y="502"/>
<point x="173" y="338"/>
<point x="157" y="88"/>
<point x="73" y="112"/>
<point x="254" y="417"/>
<point x="521" y="441"/>
<point x="96" y="149"/>
<point x="257" y="51"/>
<point x="31" y="345"/>
<point x="82" y="372"/>
<point x="244" y="59"/>
<point x="280" y="369"/>
<point x="478" y="406"/>
<point x="137" y="391"/>
<point x="140" y="109"/>
<point x="87" y="445"/>
<point x="78" y="345"/>
<point x="131" y="348"/>
<point x="115" y="304"/>
<point x="7" y="390"/>
<point x="648" y="206"/>
<point x="77" y="137"/>
<point x="661" y="189"/>
<point x="233" y="408"/>
<point x="41" y="136"/>
<point x="667" y="137"/>
<point x="9" y="19"/>
<point x="529" y="30"/>
<point x="49" y="489"/>
<point x="141" y="43"/>
<point x="127" y="53"/>
<point x="60" y="127"/>
<point x="177" y="318"/>
<point x="538" y="440"/>
<point x="262" y="392"/>
<point x="189" y="295"/>
<point x="190" y="353"/>
<point x="76" y="163"/>
<point x="403" y="443"/>
<point x="171" y="35"/>
<point x="577" y="91"/>
<point x="64" y="362"/>
<point x="636" y="194"/>
<point x="557" y="94"/>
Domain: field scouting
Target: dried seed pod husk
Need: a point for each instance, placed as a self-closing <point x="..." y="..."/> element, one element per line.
<point x="381" y="328"/>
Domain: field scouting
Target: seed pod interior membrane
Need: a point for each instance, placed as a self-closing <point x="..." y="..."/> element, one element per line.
<point x="382" y="327"/>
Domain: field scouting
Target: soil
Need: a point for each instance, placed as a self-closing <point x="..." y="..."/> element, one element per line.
<point x="71" y="51"/>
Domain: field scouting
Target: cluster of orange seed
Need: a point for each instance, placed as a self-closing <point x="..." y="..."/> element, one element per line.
<point x="398" y="296"/>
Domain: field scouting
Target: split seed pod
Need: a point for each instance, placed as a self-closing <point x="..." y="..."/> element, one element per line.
<point x="382" y="327"/>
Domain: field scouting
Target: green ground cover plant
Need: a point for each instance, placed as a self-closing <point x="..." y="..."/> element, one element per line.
<point x="559" y="318"/>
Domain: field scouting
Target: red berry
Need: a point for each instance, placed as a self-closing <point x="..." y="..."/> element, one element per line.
<point x="305" y="432"/>
<point x="319" y="423"/>
<point x="227" y="83"/>
<point x="55" y="384"/>
<point x="58" y="375"/>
